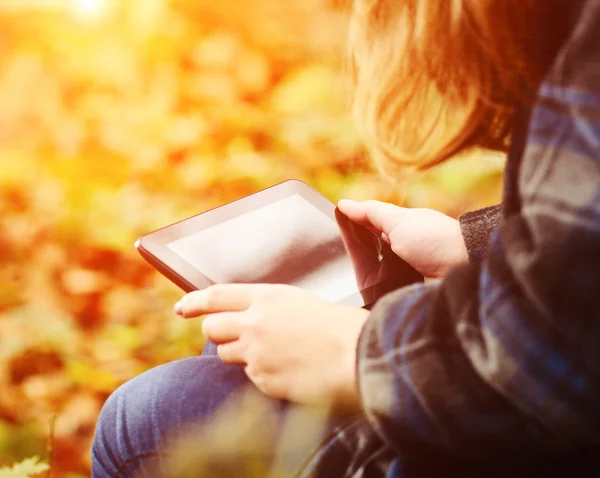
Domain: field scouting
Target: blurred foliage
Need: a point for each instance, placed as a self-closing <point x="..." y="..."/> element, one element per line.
<point x="25" y="469"/>
<point x="263" y="443"/>
<point x="118" y="117"/>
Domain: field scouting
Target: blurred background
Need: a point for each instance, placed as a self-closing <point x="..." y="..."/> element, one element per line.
<point x="121" y="116"/>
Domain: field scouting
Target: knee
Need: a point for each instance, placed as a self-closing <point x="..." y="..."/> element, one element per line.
<point x="124" y="410"/>
<point x="139" y="416"/>
<point x="123" y="430"/>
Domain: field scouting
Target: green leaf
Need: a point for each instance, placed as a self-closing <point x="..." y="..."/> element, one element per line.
<point x="24" y="469"/>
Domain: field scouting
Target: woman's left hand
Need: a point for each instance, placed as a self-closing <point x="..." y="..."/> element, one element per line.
<point x="294" y="346"/>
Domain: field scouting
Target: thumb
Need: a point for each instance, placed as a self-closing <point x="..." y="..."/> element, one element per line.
<point x="378" y="215"/>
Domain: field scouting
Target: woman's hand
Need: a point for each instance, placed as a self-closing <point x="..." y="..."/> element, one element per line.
<point x="428" y="240"/>
<point x="293" y="345"/>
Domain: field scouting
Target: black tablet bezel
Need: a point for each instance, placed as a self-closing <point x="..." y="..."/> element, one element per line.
<point x="154" y="246"/>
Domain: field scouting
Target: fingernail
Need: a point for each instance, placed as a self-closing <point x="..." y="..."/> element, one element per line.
<point x="179" y="307"/>
<point x="347" y="202"/>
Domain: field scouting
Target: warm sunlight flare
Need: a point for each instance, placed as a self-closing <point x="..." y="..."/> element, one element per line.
<point x="90" y="9"/>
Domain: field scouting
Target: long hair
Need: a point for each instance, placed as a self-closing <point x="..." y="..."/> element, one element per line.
<point x="433" y="78"/>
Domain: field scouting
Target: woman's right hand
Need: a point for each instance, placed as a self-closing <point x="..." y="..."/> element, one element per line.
<point x="428" y="240"/>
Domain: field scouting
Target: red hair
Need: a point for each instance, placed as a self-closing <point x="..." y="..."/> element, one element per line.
<point x="436" y="77"/>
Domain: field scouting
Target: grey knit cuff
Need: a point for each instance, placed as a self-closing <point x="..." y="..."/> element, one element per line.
<point x="477" y="228"/>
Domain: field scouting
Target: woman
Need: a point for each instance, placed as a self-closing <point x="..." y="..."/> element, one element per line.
<point x="495" y="368"/>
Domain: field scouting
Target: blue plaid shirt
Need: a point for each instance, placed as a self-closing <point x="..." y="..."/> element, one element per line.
<point x="497" y="368"/>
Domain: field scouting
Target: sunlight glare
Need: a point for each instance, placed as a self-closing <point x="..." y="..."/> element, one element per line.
<point x="90" y="9"/>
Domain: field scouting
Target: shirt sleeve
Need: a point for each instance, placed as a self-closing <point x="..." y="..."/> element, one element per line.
<point x="504" y="354"/>
<point x="477" y="228"/>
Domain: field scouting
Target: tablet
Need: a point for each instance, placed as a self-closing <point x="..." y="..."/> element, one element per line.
<point x="286" y="234"/>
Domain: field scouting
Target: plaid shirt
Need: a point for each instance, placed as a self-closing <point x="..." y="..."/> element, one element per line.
<point x="496" y="370"/>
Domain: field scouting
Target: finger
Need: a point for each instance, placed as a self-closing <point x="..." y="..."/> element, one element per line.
<point x="216" y="298"/>
<point x="232" y="352"/>
<point x="385" y="238"/>
<point x="361" y="246"/>
<point x="223" y="327"/>
<point x="376" y="214"/>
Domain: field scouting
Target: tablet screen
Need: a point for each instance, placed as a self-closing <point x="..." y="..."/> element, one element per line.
<point x="289" y="241"/>
<point x="286" y="234"/>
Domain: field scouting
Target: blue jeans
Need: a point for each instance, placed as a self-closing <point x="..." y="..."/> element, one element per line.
<point x="137" y="427"/>
<point x="139" y="422"/>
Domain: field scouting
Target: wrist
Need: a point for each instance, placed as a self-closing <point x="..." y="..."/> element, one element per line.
<point x="347" y="396"/>
<point x="477" y="228"/>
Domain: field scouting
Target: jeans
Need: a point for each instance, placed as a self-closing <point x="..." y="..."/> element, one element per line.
<point x="136" y="428"/>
